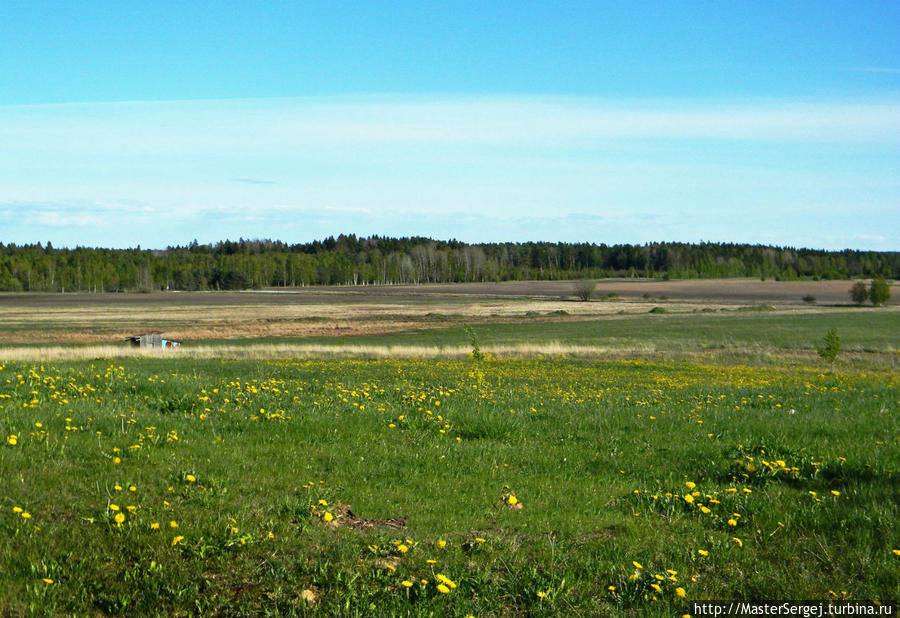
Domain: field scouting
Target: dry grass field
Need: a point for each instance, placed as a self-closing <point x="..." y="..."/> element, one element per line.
<point x="41" y="319"/>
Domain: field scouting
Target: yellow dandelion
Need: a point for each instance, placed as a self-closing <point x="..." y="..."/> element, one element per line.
<point x="896" y="552"/>
<point x="119" y="518"/>
<point x="542" y="595"/>
<point x="479" y="540"/>
<point x="690" y="484"/>
<point x="17" y="509"/>
<point x="512" y="500"/>
<point x="177" y="540"/>
<point x="739" y="542"/>
<point x="190" y="478"/>
<point x="154" y="525"/>
<point x="443" y="589"/>
<point x="173" y="524"/>
<point x="834" y="492"/>
<point x="732" y="522"/>
<point x="680" y="592"/>
<point x="445" y="580"/>
<point x="327" y="517"/>
<point x="13" y="440"/>
<point x="441" y="544"/>
<point x="26" y="515"/>
<point x="402" y="549"/>
<point x="611" y="588"/>
<point x="703" y="552"/>
<point x="689" y="498"/>
<point x="656" y="587"/>
<point x="113" y="507"/>
<point x="406" y="583"/>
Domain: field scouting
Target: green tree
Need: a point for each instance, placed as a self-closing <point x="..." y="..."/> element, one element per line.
<point x="830" y="347"/>
<point x="859" y="292"/>
<point x="476" y="346"/>
<point x="880" y="291"/>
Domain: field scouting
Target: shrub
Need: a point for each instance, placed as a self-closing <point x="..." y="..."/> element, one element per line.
<point x="880" y="291"/>
<point x="830" y="347"/>
<point x="584" y="289"/>
<point x="476" y="346"/>
<point x="809" y="299"/>
<point x="859" y="293"/>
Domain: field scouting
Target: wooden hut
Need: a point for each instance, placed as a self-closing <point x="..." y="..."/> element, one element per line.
<point x="152" y="340"/>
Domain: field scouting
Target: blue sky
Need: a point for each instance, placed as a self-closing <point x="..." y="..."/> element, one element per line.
<point x="133" y="123"/>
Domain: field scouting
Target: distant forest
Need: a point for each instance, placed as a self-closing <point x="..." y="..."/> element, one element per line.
<point x="242" y="264"/>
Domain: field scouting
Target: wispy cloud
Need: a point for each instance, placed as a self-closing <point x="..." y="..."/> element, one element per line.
<point x="506" y="167"/>
<point x="56" y="219"/>
<point x="869" y="238"/>
<point x="253" y="181"/>
<point x="274" y="125"/>
<point x="891" y="70"/>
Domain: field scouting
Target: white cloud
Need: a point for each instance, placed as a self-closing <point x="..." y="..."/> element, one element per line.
<point x="256" y="127"/>
<point x="54" y="218"/>
<point x="869" y="238"/>
<point x="486" y="165"/>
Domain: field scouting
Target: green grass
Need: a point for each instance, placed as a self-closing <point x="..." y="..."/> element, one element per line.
<point x="598" y="454"/>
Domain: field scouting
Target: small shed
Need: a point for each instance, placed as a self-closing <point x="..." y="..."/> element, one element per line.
<point x="152" y="340"/>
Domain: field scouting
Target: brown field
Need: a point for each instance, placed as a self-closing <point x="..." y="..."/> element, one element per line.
<point x="108" y="318"/>
<point x="725" y="291"/>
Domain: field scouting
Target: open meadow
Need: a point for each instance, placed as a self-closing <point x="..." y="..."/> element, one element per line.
<point x="559" y="458"/>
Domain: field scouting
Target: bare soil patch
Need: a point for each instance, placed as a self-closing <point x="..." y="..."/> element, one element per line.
<point x="729" y="291"/>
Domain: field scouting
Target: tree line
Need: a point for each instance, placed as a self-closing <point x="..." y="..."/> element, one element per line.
<point x="374" y="260"/>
